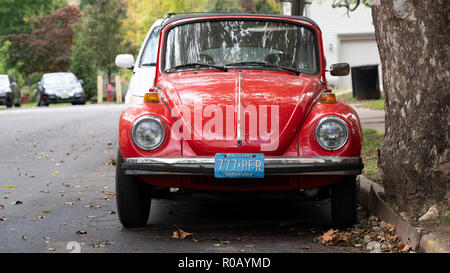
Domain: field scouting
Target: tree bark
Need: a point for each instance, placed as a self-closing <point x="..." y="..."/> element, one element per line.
<point x="414" y="159"/>
<point x="248" y="6"/>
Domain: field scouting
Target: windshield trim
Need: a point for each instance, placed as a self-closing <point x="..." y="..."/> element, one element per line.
<point x="214" y="19"/>
<point x="155" y="30"/>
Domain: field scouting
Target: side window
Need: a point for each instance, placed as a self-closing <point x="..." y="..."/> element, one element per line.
<point x="151" y="49"/>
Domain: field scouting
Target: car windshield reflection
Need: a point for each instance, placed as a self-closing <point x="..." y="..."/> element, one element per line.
<point x="224" y="42"/>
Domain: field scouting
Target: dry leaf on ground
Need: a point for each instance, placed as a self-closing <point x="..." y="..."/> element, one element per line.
<point x="335" y="237"/>
<point x="181" y="234"/>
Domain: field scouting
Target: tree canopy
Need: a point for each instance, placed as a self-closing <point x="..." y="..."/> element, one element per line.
<point x="49" y="45"/>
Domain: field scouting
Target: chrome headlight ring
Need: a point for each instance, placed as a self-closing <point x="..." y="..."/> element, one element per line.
<point x="137" y="136"/>
<point x="337" y="128"/>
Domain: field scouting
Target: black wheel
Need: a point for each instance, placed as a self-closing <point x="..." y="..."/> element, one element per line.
<point x="133" y="198"/>
<point x="19" y="102"/>
<point x="343" y="202"/>
<point x="38" y="100"/>
<point x="9" y="101"/>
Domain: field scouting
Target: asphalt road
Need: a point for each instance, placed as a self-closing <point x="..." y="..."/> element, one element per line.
<point x="57" y="192"/>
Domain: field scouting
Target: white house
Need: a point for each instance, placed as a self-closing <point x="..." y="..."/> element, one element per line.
<point x="346" y="39"/>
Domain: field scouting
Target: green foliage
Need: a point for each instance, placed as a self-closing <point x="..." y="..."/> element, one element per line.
<point x="101" y="31"/>
<point x="15" y="15"/>
<point x="5" y="69"/>
<point x="48" y="47"/>
<point x="82" y="66"/>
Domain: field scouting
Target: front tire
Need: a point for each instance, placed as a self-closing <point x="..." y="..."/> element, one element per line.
<point x="133" y="198"/>
<point x="9" y="101"/>
<point x="19" y="102"/>
<point x="343" y="202"/>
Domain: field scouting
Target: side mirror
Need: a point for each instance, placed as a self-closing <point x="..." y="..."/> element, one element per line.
<point x="13" y="84"/>
<point x="340" y="69"/>
<point x="125" y="61"/>
<point x="81" y="82"/>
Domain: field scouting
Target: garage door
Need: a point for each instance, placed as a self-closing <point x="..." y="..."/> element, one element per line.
<point x="358" y="52"/>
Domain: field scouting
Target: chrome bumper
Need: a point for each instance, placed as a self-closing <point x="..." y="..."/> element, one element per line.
<point x="327" y="165"/>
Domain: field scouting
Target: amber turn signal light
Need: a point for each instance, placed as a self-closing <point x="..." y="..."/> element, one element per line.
<point x="152" y="97"/>
<point x="328" y="98"/>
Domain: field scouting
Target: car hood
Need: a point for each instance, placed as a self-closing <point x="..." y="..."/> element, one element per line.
<point x="62" y="88"/>
<point x="278" y="103"/>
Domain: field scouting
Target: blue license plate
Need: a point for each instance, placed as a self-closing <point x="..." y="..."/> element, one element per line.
<point x="233" y="165"/>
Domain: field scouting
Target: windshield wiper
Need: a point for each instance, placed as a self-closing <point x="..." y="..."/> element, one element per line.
<point x="197" y="65"/>
<point x="293" y="70"/>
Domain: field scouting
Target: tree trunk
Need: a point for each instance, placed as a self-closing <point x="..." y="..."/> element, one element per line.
<point x="248" y="6"/>
<point x="298" y="7"/>
<point x="414" y="159"/>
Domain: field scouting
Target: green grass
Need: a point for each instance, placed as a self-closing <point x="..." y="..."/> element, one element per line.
<point x="371" y="142"/>
<point x="372" y="104"/>
<point x="445" y="219"/>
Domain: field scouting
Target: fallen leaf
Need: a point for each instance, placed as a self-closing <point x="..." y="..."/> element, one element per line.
<point x="38" y="218"/>
<point x="45" y="211"/>
<point x="45" y="191"/>
<point x="81" y="232"/>
<point x="9" y="186"/>
<point x="406" y="248"/>
<point x="69" y="203"/>
<point x="24" y="238"/>
<point x="55" y="173"/>
<point x="334" y="237"/>
<point x="1" y="206"/>
<point x="2" y="219"/>
<point x="217" y="245"/>
<point x="109" y="143"/>
<point x="111" y="212"/>
<point x="17" y="203"/>
<point x="51" y="249"/>
<point x="181" y="234"/>
<point x="249" y="246"/>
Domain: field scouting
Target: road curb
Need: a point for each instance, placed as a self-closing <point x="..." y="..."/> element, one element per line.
<point x="369" y="198"/>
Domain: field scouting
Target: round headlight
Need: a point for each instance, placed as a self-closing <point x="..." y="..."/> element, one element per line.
<point x="148" y="133"/>
<point x="332" y="133"/>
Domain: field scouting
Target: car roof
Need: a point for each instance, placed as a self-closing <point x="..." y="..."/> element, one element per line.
<point x="58" y="73"/>
<point x="172" y="17"/>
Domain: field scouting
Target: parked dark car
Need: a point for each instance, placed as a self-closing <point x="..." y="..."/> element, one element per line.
<point x="59" y="88"/>
<point x="9" y="92"/>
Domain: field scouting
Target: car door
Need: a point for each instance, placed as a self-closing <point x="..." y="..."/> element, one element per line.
<point x="145" y="68"/>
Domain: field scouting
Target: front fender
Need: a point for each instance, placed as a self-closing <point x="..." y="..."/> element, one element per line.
<point x="307" y="143"/>
<point x="170" y="147"/>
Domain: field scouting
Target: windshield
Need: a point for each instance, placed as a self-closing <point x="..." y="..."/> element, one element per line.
<point x="59" y="79"/>
<point x="237" y="42"/>
<point x="4" y="81"/>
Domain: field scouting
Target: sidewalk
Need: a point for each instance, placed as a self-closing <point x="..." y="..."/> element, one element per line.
<point x="370" y="119"/>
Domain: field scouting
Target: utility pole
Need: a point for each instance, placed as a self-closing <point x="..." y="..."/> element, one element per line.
<point x="298" y="7"/>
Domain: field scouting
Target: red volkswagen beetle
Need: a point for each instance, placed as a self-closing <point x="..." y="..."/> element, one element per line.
<point x="239" y="103"/>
